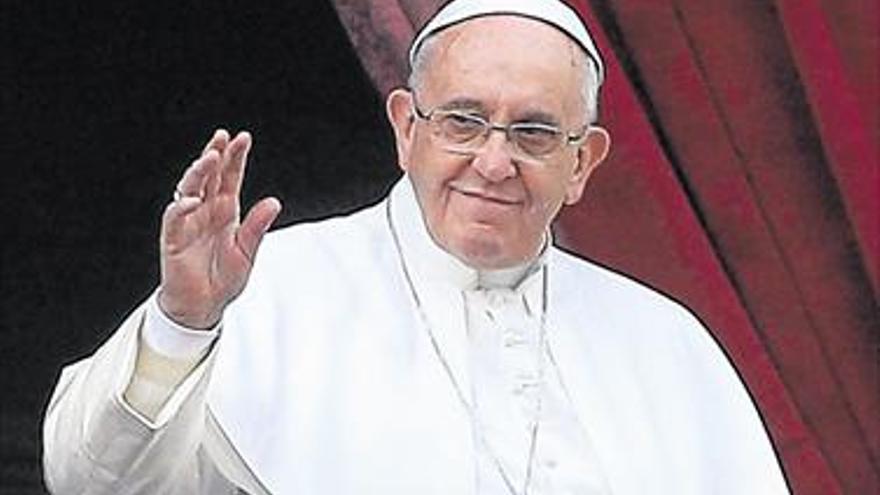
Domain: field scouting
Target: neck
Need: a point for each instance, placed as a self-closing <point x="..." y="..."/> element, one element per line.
<point x="504" y="277"/>
<point x="510" y="277"/>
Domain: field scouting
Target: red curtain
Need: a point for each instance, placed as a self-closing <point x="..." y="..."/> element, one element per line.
<point x="744" y="182"/>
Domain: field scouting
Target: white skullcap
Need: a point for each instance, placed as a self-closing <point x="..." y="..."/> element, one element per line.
<point x="553" y="12"/>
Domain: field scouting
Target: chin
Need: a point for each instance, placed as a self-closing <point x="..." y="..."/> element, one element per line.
<point x="483" y="250"/>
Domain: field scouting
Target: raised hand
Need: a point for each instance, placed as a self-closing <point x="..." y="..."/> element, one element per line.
<point x="206" y="251"/>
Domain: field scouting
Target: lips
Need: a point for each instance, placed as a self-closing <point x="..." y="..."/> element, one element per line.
<point x="486" y="196"/>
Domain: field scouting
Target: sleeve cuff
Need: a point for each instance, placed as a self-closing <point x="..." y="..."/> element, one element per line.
<point x="170" y="339"/>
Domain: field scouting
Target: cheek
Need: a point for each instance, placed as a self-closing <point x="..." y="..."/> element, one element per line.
<point x="547" y="194"/>
<point x="432" y="170"/>
<point x="429" y="180"/>
<point x="426" y="164"/>
<point x="430" y="175"/>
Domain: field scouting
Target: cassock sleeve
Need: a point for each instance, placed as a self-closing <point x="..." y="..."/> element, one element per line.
<point x="96" y="442"/>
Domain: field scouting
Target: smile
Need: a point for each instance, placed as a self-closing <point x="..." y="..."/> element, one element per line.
<point x="485" y="196"/>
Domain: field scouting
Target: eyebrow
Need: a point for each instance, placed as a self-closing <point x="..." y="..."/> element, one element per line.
<point x="464" y="103"/>
<point x="538" y="116"/>
<point x="474" y="105"/>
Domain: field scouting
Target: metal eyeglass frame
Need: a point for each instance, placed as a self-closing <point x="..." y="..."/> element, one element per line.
<point x="566" y="138"/>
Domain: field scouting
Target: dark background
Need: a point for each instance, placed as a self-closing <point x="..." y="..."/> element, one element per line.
<point x="102" y="105"/>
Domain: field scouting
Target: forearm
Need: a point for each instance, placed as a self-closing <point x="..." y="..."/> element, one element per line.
<point x="167" y="354"/>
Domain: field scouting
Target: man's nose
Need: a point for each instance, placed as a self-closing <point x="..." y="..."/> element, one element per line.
<point x="494" y="160"/>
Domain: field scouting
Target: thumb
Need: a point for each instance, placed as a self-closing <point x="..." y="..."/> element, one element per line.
<point x="255" y="224"/>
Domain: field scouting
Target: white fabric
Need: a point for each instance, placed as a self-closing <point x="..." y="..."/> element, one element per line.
<point x="167" y="353"/>
<point x="501" y="315"/>
<point x="95" y="443"/>
<point x="154" y="381"/>
<point x="324" y="381"/>
<point x="515" y="382"/>
<point x="553" y="12"/>
<point x="170" y="339"/>
<point x="358" y="403"/>
<point x="505" y="364"/>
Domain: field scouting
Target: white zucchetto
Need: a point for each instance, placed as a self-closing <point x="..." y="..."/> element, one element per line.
<point x="553" y="12"/>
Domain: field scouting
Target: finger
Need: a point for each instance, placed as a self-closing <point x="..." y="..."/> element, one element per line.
<point x="194" y="179"/>
<point x="212" y="179"/>
<point x="235" y="160"/>
<point x="218" y="142"/>
<point x="174" y="217"/>
<point x="255" y="225"/>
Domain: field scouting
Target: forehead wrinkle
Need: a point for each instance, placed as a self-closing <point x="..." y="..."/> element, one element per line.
<point x="450" y="36"/>
<point x="444" y="41"/>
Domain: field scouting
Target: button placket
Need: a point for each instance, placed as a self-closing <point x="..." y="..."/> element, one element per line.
<point x="518" y="354"/>
<point x="507" y="377"/>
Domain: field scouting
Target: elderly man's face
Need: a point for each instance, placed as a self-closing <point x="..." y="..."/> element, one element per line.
<point x="491" y="208"/>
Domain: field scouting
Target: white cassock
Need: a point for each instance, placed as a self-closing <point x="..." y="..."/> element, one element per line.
<point x="362" y="358"/>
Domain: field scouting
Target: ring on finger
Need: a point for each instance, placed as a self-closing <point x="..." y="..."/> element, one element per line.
<point x="179" y="195"/>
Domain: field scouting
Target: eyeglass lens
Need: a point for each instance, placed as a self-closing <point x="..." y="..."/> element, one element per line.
<point x="469" y="132"/>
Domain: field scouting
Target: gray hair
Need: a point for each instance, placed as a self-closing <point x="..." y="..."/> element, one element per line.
<point x="589" y="91"/>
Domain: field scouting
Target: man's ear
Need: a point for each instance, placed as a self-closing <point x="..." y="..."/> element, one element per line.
<point x="399" y="109"/>
<point x="591" y="153"/>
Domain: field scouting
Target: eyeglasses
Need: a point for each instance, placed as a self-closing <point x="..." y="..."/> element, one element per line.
<point x="465" y="132"/>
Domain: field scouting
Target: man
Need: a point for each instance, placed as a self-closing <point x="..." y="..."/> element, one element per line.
<point x="436" y="342"/>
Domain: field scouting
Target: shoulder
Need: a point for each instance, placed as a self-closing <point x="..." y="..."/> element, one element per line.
<point x="319" y="235"/>
<point x="622" y="310"/>
<point x="661" y="359"/>
<point x="618" y="310"/>
<point x="335" y="240"/>
<point x="317" y="259"/>
<point x="587" y="279"/>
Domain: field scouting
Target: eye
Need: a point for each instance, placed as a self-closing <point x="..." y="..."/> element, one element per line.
<point x="536" y="139"/>
<point x="459" y="126"/>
